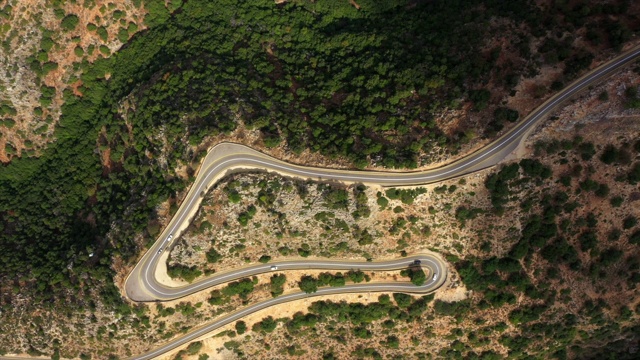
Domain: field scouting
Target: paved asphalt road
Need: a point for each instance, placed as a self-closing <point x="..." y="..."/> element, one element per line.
<point x="436" y="277"/>
<point x="141" y="284"/>
<point x="222" y="159"/>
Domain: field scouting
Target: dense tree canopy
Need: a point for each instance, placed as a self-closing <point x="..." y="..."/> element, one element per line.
<point x="323" y="75"/>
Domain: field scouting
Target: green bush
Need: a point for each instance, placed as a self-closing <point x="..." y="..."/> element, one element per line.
<point x="633" y="176"/>
<point x="277" y="284"/>
<point x="70" y="22"/>
<point x="459" y="308"/>
<point x="308" y="284"/>
<point x="123" y="35"/>
<point x="102" y="32"/>
<point x="417" y="276"/>
<point x="48" y="67"/>
<point x="241" y="288"/>
<point x="609" y="155"/>
<point x="8" y="123"/>
<point x="185" y="272"/>
<point x="78" y="51"/>
<point x="132" y="28"/>
<point x="267" y="324"/>
<point x="382" y="202"/>
<point x="402" y="300"/>
<point x="586" y="150"/>
<point x="502" y="113"/>
<point x="105" y="50"/>
<point x="213" y="256"/>
<point x="46" y="43"/>
<point x="629" y="222"/>
<point x="241" y="327"/>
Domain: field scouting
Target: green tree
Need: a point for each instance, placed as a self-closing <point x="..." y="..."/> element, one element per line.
<point x="194" y="347"/>
<point x="241" y="327"/>
<point x="267" y="324"/>
<point x="308" y="284"/>
<point x="402" y="300"/>
<point x="70" y="22"/>
<point x="277" y="284"/>
<point x="213" y="256"/>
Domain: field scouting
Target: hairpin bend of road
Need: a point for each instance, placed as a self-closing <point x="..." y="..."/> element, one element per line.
<point x="142" y="285"/>
<point x="228" y="157"/>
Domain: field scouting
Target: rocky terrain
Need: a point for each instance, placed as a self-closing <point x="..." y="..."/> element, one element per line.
<point x="46" y="46"/>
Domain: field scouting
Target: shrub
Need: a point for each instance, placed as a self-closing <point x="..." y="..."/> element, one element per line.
<point x="365" y="238"/>
<point x="503" y="113"/>
<point x="337" y="199"/>
<point x="519" y="316"/>
<point x="277" y="284"/>
<point x="70" y="22"/>
<point x="604" y="96"/>
<point x="629" y="222"/>
<point x="308" y="284"/>
<point x="132" y="28"/>
<point x="392" y="342"/>
<point x="187" y="273"/>
<point x="46" y="43"/>
<point x="417" y="276"/>
<point x="602" y="191"/>
<point x="587" y="150"/>
<point x="610" y="256"/>
<point x="535" y="168"/>
<point x="241" y="327"/>
<point x="48" y="67"/>
<point x="213" y="256"/>
<point x="105" y="50"/>
<point x="451" y="308"/>
<point x="402" y="300"/>
<point x="194" y="347"/>
<point x="241" y="288"/>
<point x="102" y="32"/>
<point x="233" y="196"/>
<point x="588" y="240"/>
<point x="216" y="298"/>
<point x="480" y="98"/>
<point x="634" y="174"/>
<point x="123" y="35"/>
<point x="609" y="155"/>
<point x="267" y="324"/>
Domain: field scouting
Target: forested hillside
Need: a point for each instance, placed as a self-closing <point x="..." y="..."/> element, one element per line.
<point x="360" y="84"/>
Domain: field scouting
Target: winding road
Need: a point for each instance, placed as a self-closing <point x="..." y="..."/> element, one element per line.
<point x="142" y="285"/>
